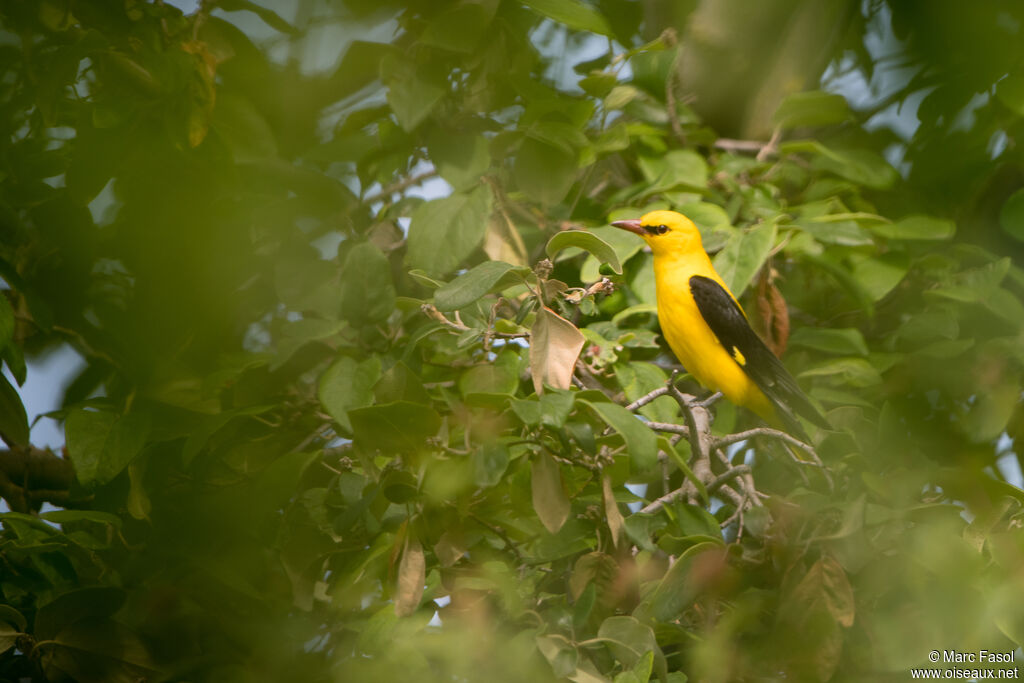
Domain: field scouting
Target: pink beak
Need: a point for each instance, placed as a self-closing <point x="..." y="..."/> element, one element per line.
<point x="632" y="225"/>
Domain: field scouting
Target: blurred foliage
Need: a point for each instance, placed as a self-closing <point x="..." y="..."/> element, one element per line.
<point x="319" y="409"/>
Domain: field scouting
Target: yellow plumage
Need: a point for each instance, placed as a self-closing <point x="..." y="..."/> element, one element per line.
<point x="706" y="328"/>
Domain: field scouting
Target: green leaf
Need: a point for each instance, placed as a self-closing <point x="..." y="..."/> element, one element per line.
<point x="551" y="409"/>
<point x="975" y="284"/>
<point x="544" y="172"/>
<point x="1010" y="91"/>
<point x="489" y="464"/>
<point x="628" y="639"/>
<point x="459" y="28"/>
<point x="6" y="321"/>
<point x="638" y="378"/>
<point x="444" y="232"/>
<point x="367" y="294"/>
<point x="9" y="615"/>
<point x="587" y="241"/>
<point x="744" y="254"/>
<point x="555" y="344"/>
<point x="460" y="158"/>
<point x="560" y="653"/>
<point x="401" y="427"/>
<point x="414" y="90"/>
<point x="842" y="342"/>
<point x="482" y="279"/>
<point x="549" y="499"/>
<point x="83" y="603"/>
<point x="348" y="384"/>
<point x="878" y="275"/>
<point x="269" y="16"/>
<point x="678" y="588"/>
<point x="625" y="244"/>
<point x="13" y="419"/>
<point x="641" y="442"/>
<point x="573" y="14"/>
<point x="861" y="166"/>
<point x="498" y="377"/>
<point x="811" y="108"/>
<point x="95" y="651"/>
<point x="856" y="372"/>
<point x="916" y="228"/>
<point x="1011" y="216"/>
<point x="641" y="671"/>
<point x="679" y="169"/>
<point x="102" y="443"/>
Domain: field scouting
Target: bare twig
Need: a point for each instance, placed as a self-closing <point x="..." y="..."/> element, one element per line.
<point x="729" y="439"/>
<point x="398" y="186"/>
<point x="647" y="398"/>
<point x="682" y="430"/>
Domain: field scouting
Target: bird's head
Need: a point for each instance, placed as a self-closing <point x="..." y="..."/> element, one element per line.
<point x="666" y="232"/>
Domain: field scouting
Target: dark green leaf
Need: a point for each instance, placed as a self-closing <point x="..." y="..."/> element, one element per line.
<point x="6" y="321"/>
<point x="102" y="443"/>
<point x="401" y="426"/>
<point x="1011" y="216"/>
<point x="13" y="420"/>
<point x="460" y="27"/>
<point x="68" y="608"/>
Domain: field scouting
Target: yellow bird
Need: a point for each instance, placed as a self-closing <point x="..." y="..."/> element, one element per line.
<point x="709" y="332"/>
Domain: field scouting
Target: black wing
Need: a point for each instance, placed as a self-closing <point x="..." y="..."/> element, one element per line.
<point x="727" y="321"/>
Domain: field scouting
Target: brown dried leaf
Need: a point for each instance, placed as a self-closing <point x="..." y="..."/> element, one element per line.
<point x="555" y="344"/>
<point x="772" y="313"/>
<point x="549" y="499"/>
<point x="412" y="574"/>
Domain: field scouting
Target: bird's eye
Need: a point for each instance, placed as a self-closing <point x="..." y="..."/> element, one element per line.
<point x="661" y="229"/>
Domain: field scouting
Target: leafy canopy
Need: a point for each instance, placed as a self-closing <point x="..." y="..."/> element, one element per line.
<point x="332" y="426"/>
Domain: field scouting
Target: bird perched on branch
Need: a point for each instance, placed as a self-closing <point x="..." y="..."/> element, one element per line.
<point x="709" y="332"/>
